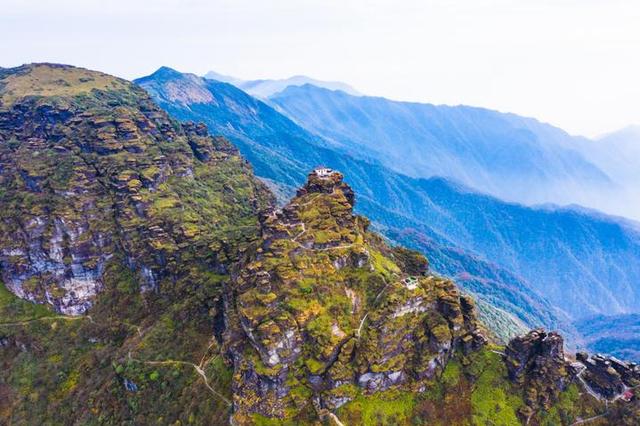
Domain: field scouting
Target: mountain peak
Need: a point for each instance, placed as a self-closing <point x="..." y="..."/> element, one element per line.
<point x="178" y="87"/>
<point x="166" y="72"/>
<point x="80" y="138"/>
<point x="326" y="311"/>
<point x="326" y="181"/>
<point x="49" y="80"/>
<point x="212" y="75"/>
<point x="265" y="88"/>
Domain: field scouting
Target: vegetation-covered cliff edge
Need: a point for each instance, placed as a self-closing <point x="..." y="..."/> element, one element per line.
<point x="128" y="220"/>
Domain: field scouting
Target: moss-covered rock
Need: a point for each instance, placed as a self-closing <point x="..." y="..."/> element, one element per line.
<point x="202" y="303"/>
<point x="326" y="305"/>
<point x="113" y="210"/>
<point x="93" y="172"/>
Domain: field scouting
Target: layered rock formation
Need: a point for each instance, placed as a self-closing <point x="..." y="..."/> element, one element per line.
<point x="536" y="362"/>
<point x="93" y="172"/>
<point x="321" y="310"/>
<point x="607" y="376"/>
<point x="111" y="208"/>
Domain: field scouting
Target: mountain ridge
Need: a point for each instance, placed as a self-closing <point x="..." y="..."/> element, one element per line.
<point x="264" y="88"/>
<point x="475" y="146"/>
<point x="128" y="221"/>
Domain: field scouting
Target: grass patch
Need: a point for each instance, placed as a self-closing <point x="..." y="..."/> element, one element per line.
<point x="492" y="399"/>
<point x="14" y="309"/>
<point x="391" y="407"/>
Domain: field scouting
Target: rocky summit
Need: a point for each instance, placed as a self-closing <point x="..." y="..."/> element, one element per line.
<point x="322" y="311"/>
<point x="93" y="174"/>
<point x="122" y="223"/>
<point x="147" y="278"/>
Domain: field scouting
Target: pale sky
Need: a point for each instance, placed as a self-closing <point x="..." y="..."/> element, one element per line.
<point x="572" y="63"/>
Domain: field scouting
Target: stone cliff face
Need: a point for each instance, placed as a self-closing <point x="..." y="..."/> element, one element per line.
<point x="321" y="310"/>
<point x="607" y="376"/>
<point x="536" y="362"/>
<point x="93" y="173"/>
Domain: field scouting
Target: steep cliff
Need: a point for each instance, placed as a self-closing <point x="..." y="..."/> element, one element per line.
<point x="325" y="320"/>
<point x="516" y="261"/>
<point x="113" y="210"/>
<point x="93" y="174"/>
<point x="321" y="310"/>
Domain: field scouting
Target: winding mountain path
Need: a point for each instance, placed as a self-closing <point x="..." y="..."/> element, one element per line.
<point x="586" y="386"/>
<point x="590" y="419"/>
<point x="197" y="368"/>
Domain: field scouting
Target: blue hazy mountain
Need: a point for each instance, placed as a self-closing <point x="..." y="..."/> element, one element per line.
<point x="618" y="335"/>
<point x="618" y="154"/>
<point x="267" y="87"/>
<point x="514" y="158"/>
<point x="543" y="265"/>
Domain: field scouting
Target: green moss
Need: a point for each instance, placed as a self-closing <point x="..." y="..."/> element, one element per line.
<point x="493" y="399"/>
<point x="70" y="383"/>
<point x="452" y="373"/>
<point x="259" y="420"/>
<point x="391" y="407"/>
<point x="186" y="229"/>
<point x="151" y="173"/>
<point x="314" y="366"/>
<point x="383" y="264"/>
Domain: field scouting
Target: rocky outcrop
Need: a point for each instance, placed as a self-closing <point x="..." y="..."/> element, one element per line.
<point x="537" y="363"/>
<point x="111" y="206"/>
<point x="321" y="310"/>
<point x="93" y="173"/>
<point x="607" y="376"/>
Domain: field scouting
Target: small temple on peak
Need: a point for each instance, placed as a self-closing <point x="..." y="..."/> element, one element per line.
<point x="326" y="180"/>
<point x="323" y="172"/>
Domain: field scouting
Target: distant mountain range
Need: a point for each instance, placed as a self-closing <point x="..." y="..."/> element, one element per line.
<point x="618" y="334"/>
<point x="512" y="157"/>
<point x="265" y="88"/>
<point x="542" y="265"/>
<point x="618" y="155"/>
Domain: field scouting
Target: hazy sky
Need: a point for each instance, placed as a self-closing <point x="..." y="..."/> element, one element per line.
<point x="573" y="63"/>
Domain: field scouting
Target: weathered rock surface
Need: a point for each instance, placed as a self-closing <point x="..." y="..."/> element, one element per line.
<point x="608" y="376"/>
<point x="92" y="172"/>
<point x="322" y="309"/>
<point x="536" y="362"/>
<point x="109" y="205"/>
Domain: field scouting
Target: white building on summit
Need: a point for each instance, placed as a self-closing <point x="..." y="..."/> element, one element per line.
<point x="323" y="172"/>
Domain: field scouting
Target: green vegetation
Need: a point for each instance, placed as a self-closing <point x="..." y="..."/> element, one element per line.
<point x="159" y="210"/>
<point x="329" y="302"/>
<point x="199" y="305"/>
<point x="14" y="309"/>
<point x="390" y="408"/>
<point x="502" y="324"/>
<point x="571" y="406"/>
<point x="53" y="80"/>
<point x="493" y="399"/>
